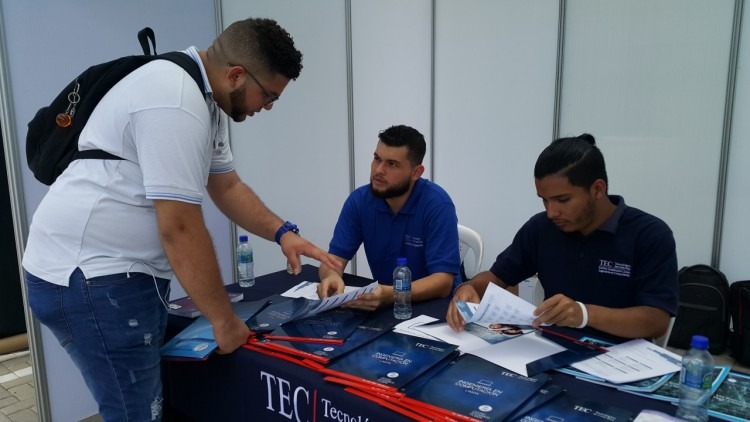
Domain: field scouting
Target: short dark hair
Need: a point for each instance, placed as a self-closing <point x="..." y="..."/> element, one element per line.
<point x="402" y="135"/>
<point x="576" y="158"/>
<point x="264" y="43"/>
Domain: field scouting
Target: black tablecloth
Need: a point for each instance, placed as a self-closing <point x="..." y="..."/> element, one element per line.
<point x="250" y="386"/>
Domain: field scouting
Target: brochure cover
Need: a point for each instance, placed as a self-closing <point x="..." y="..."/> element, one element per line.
<point x="670" y="391"/>
<point x="576" y="350"/>
<point x="369" y="329"/>
<point x="392" y="359"/>
<point x="730" y="401"/>
<point x="495" y="332"/>
<point x="334" y="324"/>
<point x="575" y="409"/>
<point x="185" y="307"/>
<point x="477" y="388"/>
<point x="285" y="310"/>
<point x="646" y="386"/>
<point x="544" y="395"/>
<point x="197" y="340"/>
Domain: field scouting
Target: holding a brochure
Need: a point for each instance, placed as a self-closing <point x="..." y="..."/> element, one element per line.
<point x="605" y="267"/>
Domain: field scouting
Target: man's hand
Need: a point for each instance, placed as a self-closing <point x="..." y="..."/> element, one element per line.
<point x="382" y="295"/>
<point x="293" y="246"/>
<point x="330" y="286"/>
<point x="231" y="335"/>
<point x="558" y="310"/>
<point x="466" y="293"/>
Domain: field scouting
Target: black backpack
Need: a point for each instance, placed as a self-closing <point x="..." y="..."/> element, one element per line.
<point x="51" y="144"/>
<point x="704" y="308"/>
<point x="739" y="296"/>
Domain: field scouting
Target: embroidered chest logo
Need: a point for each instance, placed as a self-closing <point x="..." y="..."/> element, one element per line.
<point x="614" y="268"/>
<point x="414" y="241"/>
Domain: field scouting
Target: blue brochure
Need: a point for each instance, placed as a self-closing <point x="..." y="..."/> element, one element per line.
<point x="670" y="391"/>
<point x="393" y="359"/>
<point x="730" y="401"/>
<point x="544" y="395"/>
<point x="284" y="310"/>
<point x="474" y="387"/>
<point x="197" y="340"/>
<point x="334" y="324"/>
<point x="368" y="330"/>
<point x="575" y="409"/>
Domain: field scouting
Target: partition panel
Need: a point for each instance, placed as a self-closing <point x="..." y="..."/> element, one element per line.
<point x="48" y="43"/>
<point x="392" y="80"/>
<point x="495" y="67"/>
<point x="648" y="80"/>
<point x="296" y="156"/>
<point x="735" y="245"/>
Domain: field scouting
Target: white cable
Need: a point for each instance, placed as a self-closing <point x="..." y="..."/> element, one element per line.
<point x="156" y="286"/>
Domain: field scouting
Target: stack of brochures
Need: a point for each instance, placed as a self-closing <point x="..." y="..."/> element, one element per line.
<point x="185" y="306"/>
<point x="197" y="341"/>
<point x="322" y="348"/>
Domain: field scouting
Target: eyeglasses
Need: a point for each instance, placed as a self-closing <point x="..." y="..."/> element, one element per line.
<point x="271" y="98"/>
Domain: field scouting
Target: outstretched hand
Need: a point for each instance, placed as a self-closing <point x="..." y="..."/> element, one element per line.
<point x="293" y="245"/>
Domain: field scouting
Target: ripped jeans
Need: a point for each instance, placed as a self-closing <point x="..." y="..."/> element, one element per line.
<point x="112" y="327"/>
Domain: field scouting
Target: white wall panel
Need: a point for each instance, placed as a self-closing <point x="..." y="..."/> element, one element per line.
<point x="648" y="79"/>
<point x="296" y="156"/>
<point x="735" y="246"/>
<point x="494" y="102"/>
<point x="48" y="43"/>
<point x="391" y="62"/>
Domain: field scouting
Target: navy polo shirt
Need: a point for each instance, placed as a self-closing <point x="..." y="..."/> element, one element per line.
<point x="629" y="261"/>
<point x="424" y="231"/>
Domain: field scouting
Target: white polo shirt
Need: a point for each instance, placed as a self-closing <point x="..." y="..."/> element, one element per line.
<point x="99" y="214"/>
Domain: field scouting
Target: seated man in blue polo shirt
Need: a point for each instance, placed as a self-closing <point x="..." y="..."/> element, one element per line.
<point x="603" y="265"/>
<point x="398" y="214"/>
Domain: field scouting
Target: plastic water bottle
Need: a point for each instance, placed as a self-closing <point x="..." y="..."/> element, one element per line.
<point x="696" y="377"/>
<point x="245" y="264"/>
<point x="401" y="290"/>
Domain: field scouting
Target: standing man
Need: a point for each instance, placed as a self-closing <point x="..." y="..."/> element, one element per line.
<point x="604" y="266"/>
<point x="109" y="234"/>
<point x="398" y="214"/>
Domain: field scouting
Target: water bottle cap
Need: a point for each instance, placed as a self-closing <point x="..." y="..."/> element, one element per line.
<point x="699" y="342"/>
<point x="243" y="238"/>
<point x="400" y="261"/>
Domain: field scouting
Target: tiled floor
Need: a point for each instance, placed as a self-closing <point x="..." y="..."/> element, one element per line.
<point x="17" y="401"/>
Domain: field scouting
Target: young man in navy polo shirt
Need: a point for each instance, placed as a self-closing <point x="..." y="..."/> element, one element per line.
<point x="398" y="214"/>
<point x="604" y="266"/>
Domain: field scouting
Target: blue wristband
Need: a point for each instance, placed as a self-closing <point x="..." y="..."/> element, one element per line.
<point x="286" y="227"/>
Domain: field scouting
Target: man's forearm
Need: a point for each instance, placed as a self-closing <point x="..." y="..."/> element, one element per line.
<point x="480" y="281"/>
<point x="433" y="286"/>
<point x="190" y="251"/>
<point x="241" y="205"/>
<point x="635" y="322"/>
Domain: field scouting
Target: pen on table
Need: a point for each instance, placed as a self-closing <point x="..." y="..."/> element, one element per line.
<point x="573" y="339"/>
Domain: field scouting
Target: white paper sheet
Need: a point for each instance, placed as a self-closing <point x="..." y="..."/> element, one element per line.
<point x="309" y="290"/>
<point x="631" y="361"/>
<point x="498" y="305"/>
<point x="515" y="353"/>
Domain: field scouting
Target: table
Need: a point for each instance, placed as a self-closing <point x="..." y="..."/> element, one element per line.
<point x="247" y="385"/>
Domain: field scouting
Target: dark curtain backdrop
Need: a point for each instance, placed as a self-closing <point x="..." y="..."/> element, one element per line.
<point x="12" y="320"/>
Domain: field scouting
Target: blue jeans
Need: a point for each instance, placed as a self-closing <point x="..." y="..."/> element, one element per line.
<point x="112" y="327"/>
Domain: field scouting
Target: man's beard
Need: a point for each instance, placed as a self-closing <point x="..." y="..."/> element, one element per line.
<point x="392" y="191"/>
<point x="236" y="98"/>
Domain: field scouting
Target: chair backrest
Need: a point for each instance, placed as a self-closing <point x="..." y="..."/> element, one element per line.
<point x="470" y="239"/>
<point x="664" y="339"/>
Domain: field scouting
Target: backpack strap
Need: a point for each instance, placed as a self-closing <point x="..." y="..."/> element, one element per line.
<point x="188" y="64"/>
<point x="144" y="36"/>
